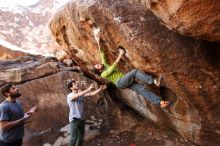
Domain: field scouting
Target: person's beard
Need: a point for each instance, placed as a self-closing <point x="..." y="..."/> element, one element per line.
<point x="15" y="95"/>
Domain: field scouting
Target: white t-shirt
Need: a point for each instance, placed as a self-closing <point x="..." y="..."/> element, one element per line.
<point x="76" y="107"/>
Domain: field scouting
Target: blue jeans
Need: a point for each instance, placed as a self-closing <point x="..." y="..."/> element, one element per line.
<point x="77" y="128"/>
<point x="128" y="81"/>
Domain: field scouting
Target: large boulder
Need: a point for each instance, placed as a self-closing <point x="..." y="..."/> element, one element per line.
<point x="190" y="67"/>
<point x="197" y="18"/>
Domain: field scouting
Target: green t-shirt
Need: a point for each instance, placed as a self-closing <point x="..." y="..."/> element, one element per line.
<point x="110" y="72"/>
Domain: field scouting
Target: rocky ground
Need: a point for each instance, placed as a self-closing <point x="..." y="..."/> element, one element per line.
<point x="144" y="133"/>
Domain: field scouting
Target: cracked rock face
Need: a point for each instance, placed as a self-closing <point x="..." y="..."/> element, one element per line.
<point x="190" y="67"/>
<point x="196" y="18"/>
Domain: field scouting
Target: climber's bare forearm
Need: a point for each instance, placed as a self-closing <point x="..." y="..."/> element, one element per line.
<point x="118" y="59"/>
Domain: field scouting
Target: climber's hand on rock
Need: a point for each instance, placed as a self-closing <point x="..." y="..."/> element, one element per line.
<point x="121" y="51"/>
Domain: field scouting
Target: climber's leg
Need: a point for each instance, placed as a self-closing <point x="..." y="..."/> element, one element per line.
<point x="140" y="89"/>
<point x="131" y="76"/>
<point x="153" y="98"/>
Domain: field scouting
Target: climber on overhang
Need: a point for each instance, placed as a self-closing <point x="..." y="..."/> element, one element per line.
<point x="128" y="80"/>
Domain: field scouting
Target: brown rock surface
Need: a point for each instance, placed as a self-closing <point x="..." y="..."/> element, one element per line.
<point x="29" y="68"/>
<point x="195" y="18"/>
<point x="190" y="67"/>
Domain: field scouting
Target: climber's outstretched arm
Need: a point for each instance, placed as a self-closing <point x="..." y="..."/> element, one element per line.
<point x="103" y="57"/>
<point x="121" y="53"/>
<point x="112" y="68"/>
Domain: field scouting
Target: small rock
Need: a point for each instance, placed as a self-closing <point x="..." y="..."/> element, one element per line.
<point x="58" y="141"/>
<point x="65" y="134"/>
<point x="92" y="117"/>
<point x="47" y="144"/>
<point x="68" y="62"/>
<point x="150" y="133"/>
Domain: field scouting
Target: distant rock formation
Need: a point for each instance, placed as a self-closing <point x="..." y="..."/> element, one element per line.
<point x="26" y="27"/>
<point x="6" y="53"/>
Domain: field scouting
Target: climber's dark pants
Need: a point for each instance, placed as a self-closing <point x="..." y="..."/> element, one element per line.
<point x="77" y="127"/>
<point x="14" y="143"/>
<point x="128" y="81"/>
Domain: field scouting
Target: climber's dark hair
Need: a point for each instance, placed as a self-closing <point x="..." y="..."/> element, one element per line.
<point x="96" y="71"/>
<point x="6" y="88"/>
<point x="70" y="83"/>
